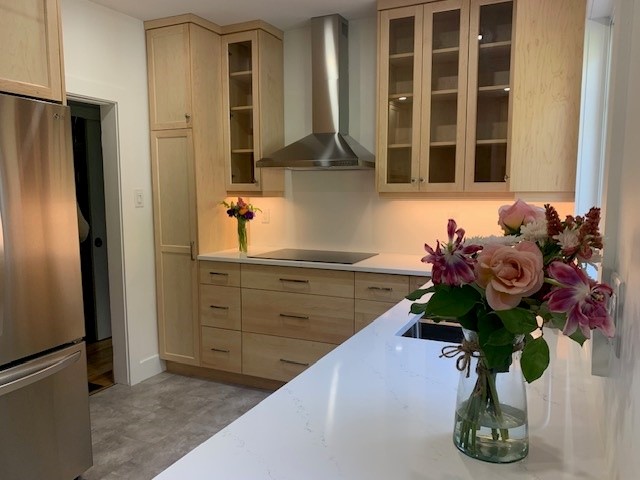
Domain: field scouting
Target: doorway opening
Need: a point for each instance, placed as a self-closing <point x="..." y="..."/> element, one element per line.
<point x="90" y="195"/>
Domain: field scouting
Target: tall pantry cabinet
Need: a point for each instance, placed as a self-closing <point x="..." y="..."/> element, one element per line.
<point x="477" y="95"/>
<point x="187" y="158"/>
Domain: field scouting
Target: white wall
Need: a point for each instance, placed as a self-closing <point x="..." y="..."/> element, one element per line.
<point x="342" y="210"/>
<point x="105" y="59"/>
<point x="620" y="393"/>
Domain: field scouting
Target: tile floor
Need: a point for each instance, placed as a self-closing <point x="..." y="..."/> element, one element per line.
<point x="139" y="431"/>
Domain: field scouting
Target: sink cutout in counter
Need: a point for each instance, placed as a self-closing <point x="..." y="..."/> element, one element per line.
<point x="440" y="332"/>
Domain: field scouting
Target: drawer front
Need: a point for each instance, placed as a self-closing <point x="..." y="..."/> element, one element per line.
<point x="221" y="349"/>
<point x="279" y="358"/>
<point x="366" y="311"/>
<point x="381" y="287"/>
<point x="417" y="282"/>
<point x="294" y="315"/>
<point x="334" y="283"/>
<point x="220" y="273"/>
<point x="220" y="307"/>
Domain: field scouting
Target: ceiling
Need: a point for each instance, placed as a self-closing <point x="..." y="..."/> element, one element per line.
<point x="284" y="14"/>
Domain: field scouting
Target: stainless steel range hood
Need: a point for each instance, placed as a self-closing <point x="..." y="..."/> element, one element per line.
<point x="329" y="146"/>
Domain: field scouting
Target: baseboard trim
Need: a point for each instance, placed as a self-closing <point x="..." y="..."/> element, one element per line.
<point x="224" y="377"/>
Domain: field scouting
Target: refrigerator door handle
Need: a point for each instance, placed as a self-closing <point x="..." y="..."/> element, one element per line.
<point x="2" y="292"/>
<point x="34" y="371"/>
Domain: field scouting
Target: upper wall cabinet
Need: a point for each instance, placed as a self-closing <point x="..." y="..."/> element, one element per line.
<point x="474" y="95"/>
<point x="252" y="73"/>
<point x="31" y="54"/>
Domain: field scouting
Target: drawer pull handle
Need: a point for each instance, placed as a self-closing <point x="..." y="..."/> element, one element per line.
<point x="384" y="289"/>
<point x="219" y="273"/>
<point x="221" y="350"/>
<point x="293" y="280"/>
<point x="293" y="362"/>
<point x="299" y="317"/>
<point x="218" y="307"/>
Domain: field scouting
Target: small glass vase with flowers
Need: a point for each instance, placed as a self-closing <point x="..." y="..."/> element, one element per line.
<point x="242" y="212"/>
<point x="503" y="291"/>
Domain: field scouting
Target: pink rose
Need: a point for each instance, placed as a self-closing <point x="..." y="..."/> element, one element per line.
<point x="512" y="217"/>
<point x="509" y="273"/>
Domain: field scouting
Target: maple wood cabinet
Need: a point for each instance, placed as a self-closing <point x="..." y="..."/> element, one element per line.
<point x="475" y="95"/>
<point x="252" y="72"/>
<point x="31" y="60"/>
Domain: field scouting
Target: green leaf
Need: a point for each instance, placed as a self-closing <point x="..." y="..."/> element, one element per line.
<point x="469" y="320"/>
<point x="498" y="358"/>
<point x="452" y="301"/>
<point x="518" y="320"/>
<point x="535" y="359"/>
<point x="417" y="294"/>
<point x="578" y="336"/>
<point x="500" y="337"/>
<point x="418" y="307"/>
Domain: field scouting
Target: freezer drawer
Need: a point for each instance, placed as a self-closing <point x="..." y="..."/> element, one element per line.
<point x="45" y="432"/>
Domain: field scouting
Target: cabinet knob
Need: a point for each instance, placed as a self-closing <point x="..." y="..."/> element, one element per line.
<point x="506" y="177"/>
<point x="413" y="180"/>
<point x="187" y="117"/>
<point x="422" y="180"/>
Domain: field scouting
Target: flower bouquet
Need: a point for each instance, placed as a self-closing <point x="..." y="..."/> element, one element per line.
<point x="243" y="212"/>
<point x="502" y="291"/>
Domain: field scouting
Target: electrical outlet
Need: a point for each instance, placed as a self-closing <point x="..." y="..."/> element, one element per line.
<point x="266" y="215"/>
<point x="615" y="310"/>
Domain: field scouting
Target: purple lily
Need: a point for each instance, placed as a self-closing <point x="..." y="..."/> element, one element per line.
<point x="454" y="265"/>
<point x="583" y="300"/>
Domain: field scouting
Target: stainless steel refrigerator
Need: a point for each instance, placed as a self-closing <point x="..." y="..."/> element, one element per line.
<point x="44" y="405"/>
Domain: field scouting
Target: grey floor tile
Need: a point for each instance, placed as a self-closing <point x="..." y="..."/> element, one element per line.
<point x="139" y="431"/>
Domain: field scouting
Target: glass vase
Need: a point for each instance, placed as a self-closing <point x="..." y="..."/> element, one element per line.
<point x="242" y="236"/>
<point x="491" y="411"/>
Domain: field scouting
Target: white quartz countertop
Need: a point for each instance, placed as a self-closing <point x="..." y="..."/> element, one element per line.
<point x="381" y="263"/>
<point x="381" y="406"/>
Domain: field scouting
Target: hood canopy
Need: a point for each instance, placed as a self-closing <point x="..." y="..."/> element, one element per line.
<point x="329" y="146"/>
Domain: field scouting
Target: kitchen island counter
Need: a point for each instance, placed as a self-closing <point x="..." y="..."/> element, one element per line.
<point x="395" y="263"/>
<point x="380" y="406"/>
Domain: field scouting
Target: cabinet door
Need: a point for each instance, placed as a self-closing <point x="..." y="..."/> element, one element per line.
<point x="399" y="101"/>
<point x="31" y="56"/>
<point x="444" y="95"/>
<point x="489" y="102"/>
<point x="546" y="95"/>
<point x="169" y="73"/>
<point x="175" y="233"/>
<point x="242" y="127"/>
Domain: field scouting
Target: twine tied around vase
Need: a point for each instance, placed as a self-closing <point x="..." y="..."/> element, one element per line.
<point x="466" y="351"/>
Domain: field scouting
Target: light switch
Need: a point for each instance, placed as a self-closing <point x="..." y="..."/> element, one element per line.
<point x="138" y="198"/>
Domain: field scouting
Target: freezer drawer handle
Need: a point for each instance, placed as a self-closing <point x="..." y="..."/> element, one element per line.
<point x="293" y="280"/>
<point x="293" y="362"/>
<point x="22" y="376"/>
<point x="384" y="289"/>
<point x="219" y="273"/>
<point x="221" y="350"/>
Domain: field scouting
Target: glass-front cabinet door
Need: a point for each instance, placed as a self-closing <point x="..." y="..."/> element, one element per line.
<point x="400" y="99"/>
<point x="240" y="84"/>
<point x="488" y="115"/>
<point x="444" y="99"/>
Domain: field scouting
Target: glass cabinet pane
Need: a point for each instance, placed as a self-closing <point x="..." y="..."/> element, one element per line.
<point x="445" y="58"/>
<point x="241" y="112"/>
<point x="493" y="90"/>
<point x="400" y="102"/>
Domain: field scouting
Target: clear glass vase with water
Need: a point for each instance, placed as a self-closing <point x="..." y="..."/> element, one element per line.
<point x="491" y="411"/>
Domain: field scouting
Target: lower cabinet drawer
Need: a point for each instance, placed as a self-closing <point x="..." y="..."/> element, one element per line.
<point x="417" y="282"/>
<point x="221" y="349"/>
<point x="220" y="307"/>
<point x="279" y="358"/>
<point x="295" y="315"/>
<point x="366" y="311"/>
<point x="381" y="287"/>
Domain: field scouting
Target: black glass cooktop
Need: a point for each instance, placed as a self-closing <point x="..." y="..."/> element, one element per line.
<point x="325" y="256"/>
